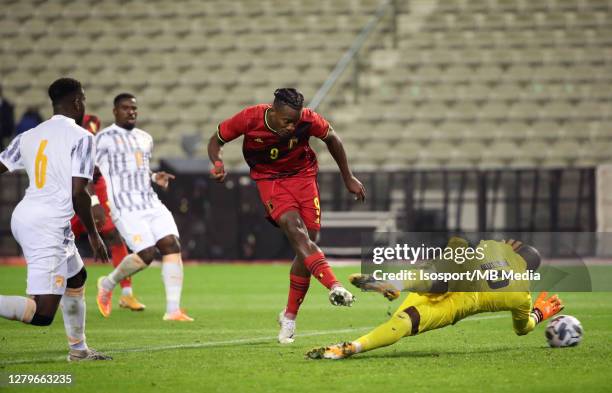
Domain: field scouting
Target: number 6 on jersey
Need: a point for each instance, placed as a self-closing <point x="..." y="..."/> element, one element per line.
<point x="40" y="165"/>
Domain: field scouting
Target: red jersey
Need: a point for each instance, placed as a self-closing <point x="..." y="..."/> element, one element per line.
<point x="268" y="155"/>
<point x="92" y="124"/>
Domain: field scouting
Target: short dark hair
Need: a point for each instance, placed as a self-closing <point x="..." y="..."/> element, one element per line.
<point x="62" y="88"/>
<point x="531" y="256"/>
<point x="290" y="97"/>
<point x="122" y="96"/>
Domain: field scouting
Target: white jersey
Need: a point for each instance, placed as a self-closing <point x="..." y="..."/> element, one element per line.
<point x="52" y="154"/>
<point x="123" y="157"/>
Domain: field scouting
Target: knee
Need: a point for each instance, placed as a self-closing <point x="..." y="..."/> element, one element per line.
<point x="294" y="227"/>
<point x="147" y="255"/>
<point x="169" y="245"/>
<point x="314" y="236"/>
<point x="410" y="319"/>
<point x="401" y="325"/>
<point x="41" y="320"/>
<point x="78" y="280"/>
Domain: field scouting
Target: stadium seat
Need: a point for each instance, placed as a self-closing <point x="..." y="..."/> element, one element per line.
<point x="523" y="111"/>
<point x="474" y="91"/>
<point x="500" y="154"/>
<point x="518" y="132"/>
<point x="557" y="110"/>
<point x="547" y="130"/>
<point x="419" y="132"/>
<point x="494" y="110"/>
<point x="9" y="28"/>
<point x="518" y="73"/>
<point x="564" y="153"/>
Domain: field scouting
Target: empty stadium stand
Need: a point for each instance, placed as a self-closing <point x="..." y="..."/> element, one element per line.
<point x="470" y="83"/>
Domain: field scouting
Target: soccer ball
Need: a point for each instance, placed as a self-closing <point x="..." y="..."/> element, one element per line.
<point x="563" y="331"/>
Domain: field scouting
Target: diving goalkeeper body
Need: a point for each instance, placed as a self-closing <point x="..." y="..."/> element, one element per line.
<point x="433" y="304"/>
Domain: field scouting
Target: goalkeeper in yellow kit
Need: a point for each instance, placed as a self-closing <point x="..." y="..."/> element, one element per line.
<point x="435" y="304"/>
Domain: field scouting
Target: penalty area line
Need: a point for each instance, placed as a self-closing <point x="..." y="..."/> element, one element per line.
<point x="223" y="343"/>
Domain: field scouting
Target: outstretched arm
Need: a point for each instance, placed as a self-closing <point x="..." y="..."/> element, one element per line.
<point x="543" y="308"/>
<point x="336" y="149"/>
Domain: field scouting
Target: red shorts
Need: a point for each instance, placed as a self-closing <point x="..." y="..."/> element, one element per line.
<point x="292" y="193"/>
<point x="77" y="226"/>
<point x="79" y="229"/>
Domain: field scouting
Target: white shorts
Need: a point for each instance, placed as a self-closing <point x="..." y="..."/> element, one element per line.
<point x="143" y="229"/>
<point x="50" y="253"/>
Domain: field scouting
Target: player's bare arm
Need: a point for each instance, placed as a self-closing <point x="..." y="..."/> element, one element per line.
<point x="215" y="151"/>
<point x="3" y="168"/>
<point x="336" y="149"/>
<point x="81" y="201"/>
<point x="96" y="208"/>
<point x="162" y="179"/>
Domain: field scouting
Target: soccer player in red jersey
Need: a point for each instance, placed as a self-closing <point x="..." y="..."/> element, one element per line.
<point x="284" y="167"/>
<point x="105" y="226"/>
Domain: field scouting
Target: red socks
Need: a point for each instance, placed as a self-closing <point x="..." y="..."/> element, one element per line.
<point x="119" y="252"/>
<point x="298" y="286"/>
<point x="318" y="267"/>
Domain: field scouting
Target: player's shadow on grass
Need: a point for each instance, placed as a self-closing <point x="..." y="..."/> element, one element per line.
<point x="430" y="354"/>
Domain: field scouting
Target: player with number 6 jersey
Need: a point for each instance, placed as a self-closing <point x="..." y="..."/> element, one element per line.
<point x="276" y="148"/>
<point x="58" y="156"/>
<point x="123" y="155"/>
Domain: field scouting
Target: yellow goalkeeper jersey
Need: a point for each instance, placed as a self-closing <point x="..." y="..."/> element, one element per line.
<point x="482" y="293"/>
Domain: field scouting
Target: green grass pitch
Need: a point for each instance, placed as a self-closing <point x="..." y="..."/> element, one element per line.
<point x="231" y="347"/>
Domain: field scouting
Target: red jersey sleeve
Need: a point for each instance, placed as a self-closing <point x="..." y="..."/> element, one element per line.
<point x="320" y="127"/>
<point x="232" y="128"/>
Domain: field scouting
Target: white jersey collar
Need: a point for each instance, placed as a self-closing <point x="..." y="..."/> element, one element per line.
<point x="121" y="128"/>
<point x="63" y="117"/>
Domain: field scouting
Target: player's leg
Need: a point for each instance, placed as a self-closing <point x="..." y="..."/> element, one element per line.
<point x="167" y="236"/>
<point x="306" y="191"/>
<point x="37" y="310"/>
<point x="417" y="314"/>
<point x="135" y="229"/>
<point x="74" y="312"/>
<point x="402" y="323"/>
<point x="46" y="279"/>
<point x="406" y="321"/>
<point x="46" y="274"/>
<point x="299" y="282"/>
<point x="308" y="253"/>
<point x="131" y="264"/>
<point x="119" y="251"/>
<point x="172" y="276"/>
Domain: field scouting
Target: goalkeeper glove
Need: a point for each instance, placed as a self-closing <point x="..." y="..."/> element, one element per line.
<point x="545" y="308"/>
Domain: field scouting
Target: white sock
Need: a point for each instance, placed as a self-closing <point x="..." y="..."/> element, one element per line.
<point x="73" y="310"/>
<point x="17" y="308"/>
<point x="172" y="275"/>
<point x="126" y="291"/>
<point x="130" y="265"/>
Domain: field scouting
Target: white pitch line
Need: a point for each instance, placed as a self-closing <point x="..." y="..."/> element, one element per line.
<point x="253" y="340"/>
